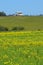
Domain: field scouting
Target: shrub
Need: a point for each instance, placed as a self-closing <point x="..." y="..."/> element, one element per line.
<point x="38" y="29"/>
<point x="3" y="28"/>
<point x="18" y="28"/>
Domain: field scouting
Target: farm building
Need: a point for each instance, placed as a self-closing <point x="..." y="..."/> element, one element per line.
<point x="19" y="14"/>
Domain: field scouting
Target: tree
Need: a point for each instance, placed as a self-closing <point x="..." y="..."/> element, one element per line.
<point x="2" y="14"/>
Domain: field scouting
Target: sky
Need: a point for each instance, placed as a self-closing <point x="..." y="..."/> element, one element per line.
<point x="27" y="7"/>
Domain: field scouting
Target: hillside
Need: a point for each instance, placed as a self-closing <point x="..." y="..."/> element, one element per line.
<point x="28" y="22"/>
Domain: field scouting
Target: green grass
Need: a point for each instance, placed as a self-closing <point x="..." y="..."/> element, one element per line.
<point x="21" y="55"/>
<point x="28" y="22"/>
<point x="23" y="48"/>
<point x="13" y="51"/>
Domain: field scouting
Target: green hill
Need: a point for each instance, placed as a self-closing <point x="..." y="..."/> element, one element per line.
<point x="28" y="22"/>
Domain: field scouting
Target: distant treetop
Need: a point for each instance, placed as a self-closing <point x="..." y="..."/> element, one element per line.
<point x="2" y="14"/>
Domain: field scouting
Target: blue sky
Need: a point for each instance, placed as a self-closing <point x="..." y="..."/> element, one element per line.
<point x="31" y="7"/>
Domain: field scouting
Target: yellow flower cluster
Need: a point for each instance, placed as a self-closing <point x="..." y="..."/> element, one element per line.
<point x="21" y="38"/>
<point x="30" y="40"/>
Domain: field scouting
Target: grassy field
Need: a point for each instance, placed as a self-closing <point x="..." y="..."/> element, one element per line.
<point x="21" y="48"/>
<point x="25" y="47"/>
<point x="28" y="22"/>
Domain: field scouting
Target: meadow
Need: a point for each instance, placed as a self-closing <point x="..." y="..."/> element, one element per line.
<point x="21" y="48"/>
<point x="30" y="23"/>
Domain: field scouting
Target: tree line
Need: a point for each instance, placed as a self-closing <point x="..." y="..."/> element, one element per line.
<point x="4" y="14"/>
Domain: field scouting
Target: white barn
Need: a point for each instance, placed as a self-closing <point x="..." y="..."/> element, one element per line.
<point x="19" y="14"/>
